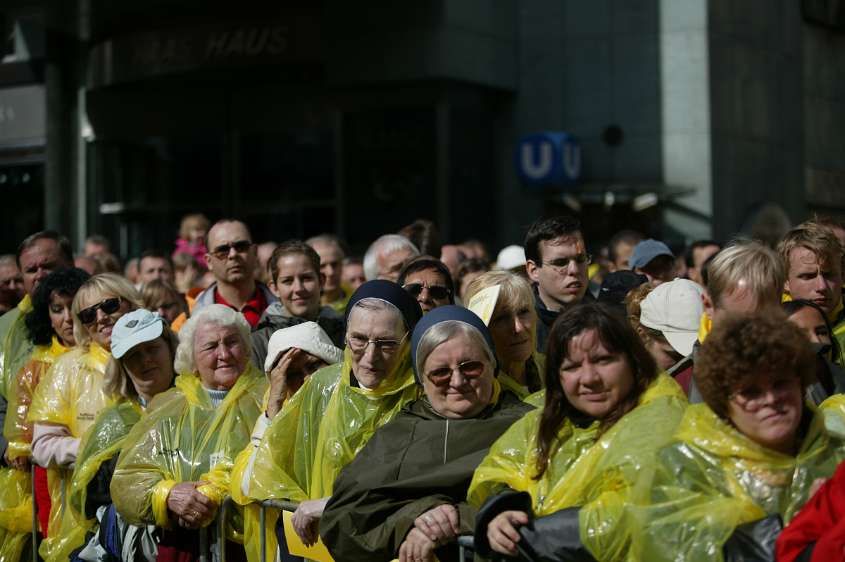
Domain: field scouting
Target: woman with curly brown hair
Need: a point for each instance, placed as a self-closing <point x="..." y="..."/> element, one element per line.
<point x="747" y="457"/>
<point x="568" y="466"/>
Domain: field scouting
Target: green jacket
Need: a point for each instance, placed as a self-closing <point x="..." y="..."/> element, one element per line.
<point x="417" y="461"/>
<point x="15" y="347"/>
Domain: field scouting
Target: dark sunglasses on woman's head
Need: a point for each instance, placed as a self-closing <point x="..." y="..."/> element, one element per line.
<point x="108" y="306"/>
<point x="438" y="292"/>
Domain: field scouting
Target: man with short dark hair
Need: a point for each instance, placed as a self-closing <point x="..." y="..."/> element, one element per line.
<point x="231" y="259"/>
<point x="38" y="255"/>
<point x="556" y="262"/>
<point x="154" y="265"/>
<point x="296" y="280"/>
<point x="697" y="255"/>
<point x="620" y="248"/>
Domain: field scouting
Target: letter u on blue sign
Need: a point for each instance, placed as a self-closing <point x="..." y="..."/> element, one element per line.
<point x="548" y="158"/>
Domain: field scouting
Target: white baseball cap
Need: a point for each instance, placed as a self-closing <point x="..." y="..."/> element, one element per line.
<point x="133" y="328"/>
<point x="308" y="337"/>
<point x="511" y="257"/>
<point x="674" y="309"/>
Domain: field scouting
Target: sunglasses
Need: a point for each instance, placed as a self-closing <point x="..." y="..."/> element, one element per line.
<point x="108" y="306"/>
<point x="222" y="252"/>
<point x="468" y="369"/>
<point x="437" y="292"/>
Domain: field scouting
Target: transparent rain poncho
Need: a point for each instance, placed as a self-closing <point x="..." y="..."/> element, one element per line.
<point x="713" y="478"/>
<point x="15" y="346"/>
<point x="538" y="361"/>
<point x="17" y="429"/>
<point x="70" y="394"/>
<point x="185" y="438"/>
<point x="16" y="486"/>
<point x="101" y="442"/>
<point x="318" y="431"/>
<point x="592" y="472"/>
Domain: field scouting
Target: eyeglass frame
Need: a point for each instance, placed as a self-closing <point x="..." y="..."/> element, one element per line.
<point x="222" y="251"/>
<point x="580" y="259"/>
<point x="452" y="372"/>
<point x="377" y="344"/>
<point x="428" y="287"/>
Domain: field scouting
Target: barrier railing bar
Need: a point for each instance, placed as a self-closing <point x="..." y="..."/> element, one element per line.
<point x="465" y="546"/>
<point x="204" y="557"/>
<point x="34" y="514"/>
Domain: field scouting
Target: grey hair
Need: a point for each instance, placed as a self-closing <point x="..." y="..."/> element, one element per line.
<point x="216" y="314"/>
<point x="372" y="303"/>
<point x="386" y="244"/>
<point x="445" y="331"/>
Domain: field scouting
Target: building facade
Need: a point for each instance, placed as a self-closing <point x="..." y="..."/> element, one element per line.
<point x="694" y="118"/>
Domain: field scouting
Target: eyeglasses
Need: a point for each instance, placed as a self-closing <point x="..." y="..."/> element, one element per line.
<point x="358" y="344"/>
<point x="222" y="252"/>
<point x="108" y="306"/>
<point x="468" y="369"/>
<point x="437" y="292"/>
<point x="563" y="263"/>
<point x="754" y="397"/>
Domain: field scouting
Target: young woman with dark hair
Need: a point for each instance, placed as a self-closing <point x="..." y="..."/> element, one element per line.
<point x="569" y="466"/>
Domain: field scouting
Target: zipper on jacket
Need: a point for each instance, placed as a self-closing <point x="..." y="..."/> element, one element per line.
<point x="446" y="441"/>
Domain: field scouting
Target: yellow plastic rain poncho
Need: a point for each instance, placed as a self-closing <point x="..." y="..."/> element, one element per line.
<point x="185" y="438"/>
<point x="70" y="394"/>
<point x="16" y="486"/>
<point x="586" y="470"/>
<point x="714" y="478"/>
<point x="318" y="432"/>
<point x="536" y="362"/>
<point x="102" y="442"/>
<point x="17" y="429"/>
<point x="15" y="346"/>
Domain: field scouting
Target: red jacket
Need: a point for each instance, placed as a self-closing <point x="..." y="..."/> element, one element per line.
<point x="821" y="522"/>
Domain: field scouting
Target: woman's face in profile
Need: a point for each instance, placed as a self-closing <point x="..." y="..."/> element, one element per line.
<point x="594" y="380"/>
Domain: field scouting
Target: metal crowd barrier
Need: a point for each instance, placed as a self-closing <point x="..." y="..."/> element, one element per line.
<point x="35" y="524"/>
<point x="221" y="520"/>
<point x="34" y="514"/>
<point x="262" y="518"/>
<point x="466" y="549"/>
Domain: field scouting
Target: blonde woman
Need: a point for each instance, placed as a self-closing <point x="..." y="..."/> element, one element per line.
<point x="72" y="392"/>
<point x="513" y="325"/>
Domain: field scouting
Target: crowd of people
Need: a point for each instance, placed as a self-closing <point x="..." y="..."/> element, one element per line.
<point x="549" y="404"/>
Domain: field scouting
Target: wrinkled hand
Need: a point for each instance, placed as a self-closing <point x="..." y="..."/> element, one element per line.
<point x="416" y="547"/>
<point x="502" y="533"/>
<point x="306" y="520"/>
<point x="190" y="506"/>
<point x="440" y="524"/>
<point x="281" y="388"/>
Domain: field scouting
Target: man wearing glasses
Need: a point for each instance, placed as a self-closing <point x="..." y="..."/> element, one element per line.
<point x="231" y="259"/>
<point x="556" y="262"/>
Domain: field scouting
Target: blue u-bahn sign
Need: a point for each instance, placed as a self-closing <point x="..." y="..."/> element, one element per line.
<point x="548" y="158"/>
